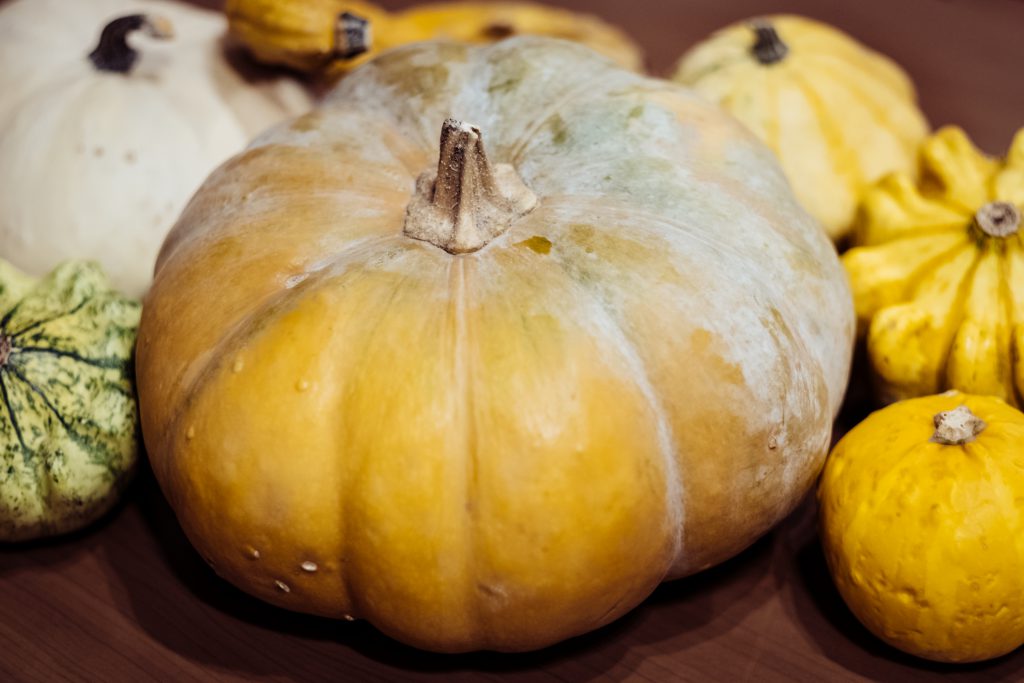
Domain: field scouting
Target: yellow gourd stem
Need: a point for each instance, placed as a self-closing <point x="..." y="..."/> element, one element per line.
<point x="997" y="219"/>
<point x="957" y="427"/>
<point x="352" y="36"/>
<point x="768" y="48"/>
<point x="113" y="53"/>
<point x="467" y="202"/>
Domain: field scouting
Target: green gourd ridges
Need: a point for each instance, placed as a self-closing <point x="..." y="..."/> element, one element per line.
<point x="68" y="415"/>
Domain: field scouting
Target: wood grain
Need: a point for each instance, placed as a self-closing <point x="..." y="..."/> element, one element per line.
<point x="129" y="600"/>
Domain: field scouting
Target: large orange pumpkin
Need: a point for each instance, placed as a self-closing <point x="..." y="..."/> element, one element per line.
<point x="594" y="346"/>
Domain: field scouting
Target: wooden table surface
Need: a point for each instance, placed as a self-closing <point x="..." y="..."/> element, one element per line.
<point x="129" y="600"/>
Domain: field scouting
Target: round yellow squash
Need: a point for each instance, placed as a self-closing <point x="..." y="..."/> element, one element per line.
<point x="938" y="282"/>
<point x="338" y="35"/>
<point x="488" y="390"/>
<point x="838" y="115"/>
<point x="922" y="526"/>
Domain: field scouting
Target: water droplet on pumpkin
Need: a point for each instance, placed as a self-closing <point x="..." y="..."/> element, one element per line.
<point x="283" y="586"/>
<point x="191" y="433"/>
<point x="252" y="553"/>
<point x="348" y="617"/>
<point x="238" y="366"/>
<point x="302" y="385"/>
<point x="308" y="566"/>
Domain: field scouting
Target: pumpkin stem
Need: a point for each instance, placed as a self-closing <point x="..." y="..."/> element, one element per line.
<point x="998" y="219"/>
<point x="113" y="53"/>
<point x="768" y="48"/>
<point x="467" y="202"/>
<point x="352" y="35"/>
<point x="957" y="427"/>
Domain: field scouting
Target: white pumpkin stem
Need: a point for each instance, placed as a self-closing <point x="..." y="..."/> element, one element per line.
<point x="957" y="427"/>
<point x="467" y="202"/>
<point x="998" y="219"/>
<point x="768" y="47"/>
<point x="113" y="53"/>
<point x="352" y="35"/>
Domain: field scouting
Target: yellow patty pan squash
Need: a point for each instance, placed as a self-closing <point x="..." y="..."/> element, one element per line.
<point x="338" y="35"/>
<point x="939" y="281"/>
<point x="838" y="115"/>
<point x="487" y="391"/>
<point x="923" y="529"/>
<point x="68" y="419"/>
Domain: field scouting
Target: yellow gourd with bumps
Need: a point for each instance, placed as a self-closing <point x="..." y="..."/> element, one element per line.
<point x="923" y="529"/>
<point x="939" y="281"/>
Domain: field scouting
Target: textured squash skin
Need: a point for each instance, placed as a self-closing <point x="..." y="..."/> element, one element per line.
<point x="838" y="115"/>
<point x="68" y="437"/>
<point x="942" y="303"/>
<point x="506" y="448"/>
<point x="925" y="540"/>
<point x="301" y="34"/>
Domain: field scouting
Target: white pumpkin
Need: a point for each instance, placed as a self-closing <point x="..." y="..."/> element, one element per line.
<point x="103" y="143"/>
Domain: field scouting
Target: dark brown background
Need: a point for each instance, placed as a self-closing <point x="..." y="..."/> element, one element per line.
<point x="129" y="599"/>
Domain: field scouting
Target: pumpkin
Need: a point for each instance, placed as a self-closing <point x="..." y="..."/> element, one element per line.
<point x="938" y="282"/>
<point x="921" y="525"/>
<point x="68" y="435"/>
<point x="103" y="143"/>
<point x="488" y="392"/>
<point x="338" y="35"/>
<point x="838" y="115"/>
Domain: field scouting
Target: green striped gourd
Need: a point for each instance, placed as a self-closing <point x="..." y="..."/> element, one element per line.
<point x="68" y="435"/>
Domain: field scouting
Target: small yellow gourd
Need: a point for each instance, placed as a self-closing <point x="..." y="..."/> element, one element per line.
<point x="923" y="527"/>
<point x="337" y="35"/>
<point x="837" y="114"/>
<point x="939" y="281"/>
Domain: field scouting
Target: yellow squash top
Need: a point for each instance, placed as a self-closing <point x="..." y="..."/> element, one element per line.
<point x="939" y="279"/>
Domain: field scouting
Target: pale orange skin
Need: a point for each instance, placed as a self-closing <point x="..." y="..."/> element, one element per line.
<point x="505" y="448"/>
